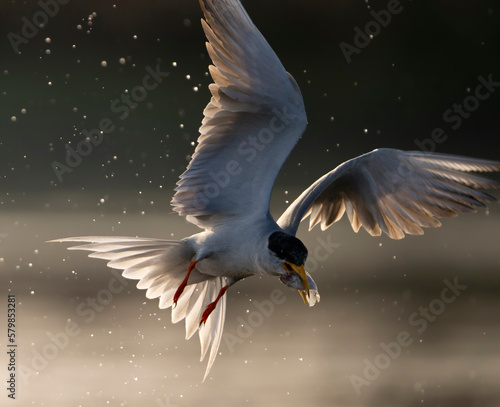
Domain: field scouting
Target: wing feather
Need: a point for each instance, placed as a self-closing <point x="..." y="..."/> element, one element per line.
<point x="394" y="192"/>
<point x="255" y="117"/>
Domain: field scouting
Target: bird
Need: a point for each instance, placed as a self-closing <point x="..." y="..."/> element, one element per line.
<point x="255" y="117"/>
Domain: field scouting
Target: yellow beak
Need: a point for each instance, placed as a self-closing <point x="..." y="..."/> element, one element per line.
<point x="292" y="268"/>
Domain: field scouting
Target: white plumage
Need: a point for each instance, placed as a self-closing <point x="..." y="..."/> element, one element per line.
<point x="253" y="121"/>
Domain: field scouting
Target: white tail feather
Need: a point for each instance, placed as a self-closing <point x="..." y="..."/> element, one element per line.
<point x="160" y="266"/>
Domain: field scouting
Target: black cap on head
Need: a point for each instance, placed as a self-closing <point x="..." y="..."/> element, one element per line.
<point x="288" y="248"/>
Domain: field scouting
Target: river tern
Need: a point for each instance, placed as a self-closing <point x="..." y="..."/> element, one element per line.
<point x="254" y="119"/>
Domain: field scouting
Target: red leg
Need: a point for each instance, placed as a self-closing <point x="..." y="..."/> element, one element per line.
<point x="212" y="305"/>
<point x="183" y="285"/>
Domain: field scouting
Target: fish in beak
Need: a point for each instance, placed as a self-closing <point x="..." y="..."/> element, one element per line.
<point x="300" y="270"/>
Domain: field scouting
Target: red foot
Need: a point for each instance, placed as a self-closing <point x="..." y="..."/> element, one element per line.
<point x="207" y="312"/>
<point x="183" y="285"/>
<point x="212" y="305"/>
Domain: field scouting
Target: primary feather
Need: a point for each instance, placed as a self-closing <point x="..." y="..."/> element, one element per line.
<point x="394" y="192"/>
<point x="254" y="119"/>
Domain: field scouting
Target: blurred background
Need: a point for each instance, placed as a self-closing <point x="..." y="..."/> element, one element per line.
<point x="57" y="84"/>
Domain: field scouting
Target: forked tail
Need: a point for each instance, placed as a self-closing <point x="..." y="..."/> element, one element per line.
<point x="160" y="266"/>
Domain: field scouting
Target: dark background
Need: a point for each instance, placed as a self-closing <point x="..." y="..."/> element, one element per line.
<point x="398" y="88"/>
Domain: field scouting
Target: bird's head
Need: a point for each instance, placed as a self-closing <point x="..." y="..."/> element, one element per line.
<point x="291" y="256"/>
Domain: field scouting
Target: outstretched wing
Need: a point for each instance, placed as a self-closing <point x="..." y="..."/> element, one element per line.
<point x="160" y="266"/>
<point x="394" y="192"/>
<point x="254" y="119"/>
